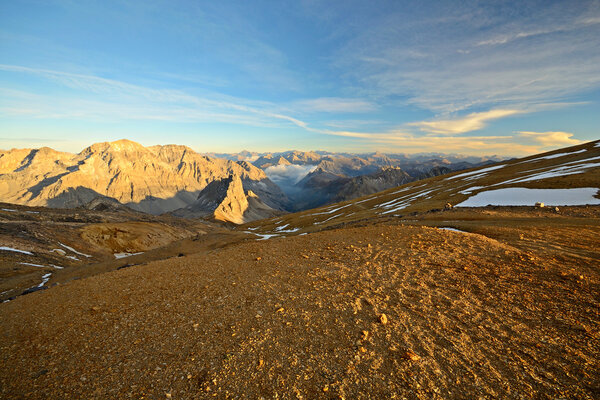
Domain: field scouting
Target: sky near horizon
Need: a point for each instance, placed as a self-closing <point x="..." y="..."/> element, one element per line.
<point x="472" y="77"/>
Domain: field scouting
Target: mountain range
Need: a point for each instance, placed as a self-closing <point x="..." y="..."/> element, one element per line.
<point x="175" y="178"/>
<point x="154" y="179"/>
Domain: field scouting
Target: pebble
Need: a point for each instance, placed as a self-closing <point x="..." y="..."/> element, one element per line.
<point x="383" y="319"/>
<point x="411" y="355"/>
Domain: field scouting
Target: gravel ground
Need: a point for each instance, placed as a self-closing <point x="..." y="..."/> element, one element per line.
<point x="383" y="311"/>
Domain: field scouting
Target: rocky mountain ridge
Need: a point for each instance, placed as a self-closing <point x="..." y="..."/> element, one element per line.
<point x="225" y="200"/>
<point x="154" y="179"/>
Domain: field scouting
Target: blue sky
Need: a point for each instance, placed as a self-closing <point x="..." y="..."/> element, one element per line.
<point x="509" y="78"/>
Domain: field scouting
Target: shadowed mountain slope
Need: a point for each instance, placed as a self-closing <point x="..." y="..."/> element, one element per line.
<point x="515" y="182"/>
<point x="225" y="200"/>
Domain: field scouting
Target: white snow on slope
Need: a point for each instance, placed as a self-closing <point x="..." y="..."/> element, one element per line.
<point x="332" y="211"/>
<point x="9" y="209"/>
<point x="569" y="168"/>
<point x="528" y="197"/>
<point x="402" y="202"/>
<point x="16" y="250"/>
<point x="73" y="250"/>
<point x="329" y="219"/>
<point x="555" y="156"/>
<point x="264" y="236"/>
<point x="123" y="255"/>
<point x="40" y="265"/>
<point x="479" y="172"/>
<point x="446" y="228"/>
<point x="45" y="279"/>
<point x="471" y="189"/>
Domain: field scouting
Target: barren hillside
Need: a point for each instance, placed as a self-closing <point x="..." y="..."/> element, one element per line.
<point x="381" y="311"/>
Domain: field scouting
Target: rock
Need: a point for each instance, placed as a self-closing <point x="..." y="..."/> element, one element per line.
<point x="258" y="258"/>
<point x="411" y="355"/>
<point x="539" y="204"/>
<point x="383" y="319"/>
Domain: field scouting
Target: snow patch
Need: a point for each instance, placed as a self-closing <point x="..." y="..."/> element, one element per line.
<point x="332" y="211"/>
<point x="73" y="250"/>
<point x="9" y="209"/>
<point x="528" y="197"/>
<point x="447" y="228"/>
<point x="33" y="265"/>
<point x="554" y="156"/>
<point x="471" y="189"/>
<point x="265" y="236"/>
<point x="123" y="255"/>
<point x="45" y="279"/>
<point x="570" y="168"/>
<point x="479" y="172"/>
<point x="329" y="219"/>
<point x="16" y="250"/>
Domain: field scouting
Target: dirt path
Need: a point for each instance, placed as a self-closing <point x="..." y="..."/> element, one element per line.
<point x="467" y="317"/>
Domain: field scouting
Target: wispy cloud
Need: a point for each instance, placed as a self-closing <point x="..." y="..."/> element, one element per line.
<point x="100" y="98"/>
<point x="549" y="139"/>
<point x="485" y="59"/>
<point x="334" y="105"/>
<point x="410" y="142"/>
<point x="573" y="25"/>
<point x="471" y="122"/>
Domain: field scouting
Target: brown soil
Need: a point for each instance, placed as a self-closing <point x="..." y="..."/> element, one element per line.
<point x="511" y="311"/>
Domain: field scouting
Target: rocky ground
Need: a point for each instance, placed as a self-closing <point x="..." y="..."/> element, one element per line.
<point x="76" y="243"/>
<point x="396" y="309"/>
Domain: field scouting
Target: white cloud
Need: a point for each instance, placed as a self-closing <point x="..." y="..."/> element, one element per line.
<point x="550" y="139"/>
<point x="471" y="122"/>
<point x="286" y="176"/>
